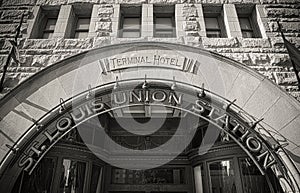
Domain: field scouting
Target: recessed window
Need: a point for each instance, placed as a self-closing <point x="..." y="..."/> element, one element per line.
<point x="130" y="25"/>
<point x="82" y="27"/>
<point x="49" y="28"/>
<point x="214" y="22"/>
<point x="79" y="21"/>
<point x="164" y="22"/>
<point x="45" y="22"/>
<point x="248" y="21"/>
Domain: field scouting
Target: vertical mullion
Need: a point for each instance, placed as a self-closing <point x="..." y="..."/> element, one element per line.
<point x="238" y="177"/>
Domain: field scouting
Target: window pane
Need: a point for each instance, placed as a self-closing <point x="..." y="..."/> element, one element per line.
<point x="131" y="23"/>
<point x="211" y="23"/>
<point x="81" y="35"/>
<point x="163" y="23"/>
<point x="39" y="181"/>
<point x="245" y="23"/>
<point x="152" y="176"/>
<point x="131" y="34"/>
<point x="164" y="34"/>
<point x="213" y="34"/>
<point x="83" y="23"/>
<point x="72" y="176"/>
<point x="222" y="177"/>
<point x="198" y="174"/>
<point x="252" y="179"/>
<point x="47" y="35"/>
<point x="96" y="179"/>
<point x="247" y="34"/>
<point x="50" y="24"/>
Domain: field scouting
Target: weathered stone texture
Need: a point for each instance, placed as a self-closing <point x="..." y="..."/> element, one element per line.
<point x="255" y="43"/>
<point x="17" y="2"/>
<point x="51" y="2"/>
<point x="220" y="42"/>
<point x="265" y="55"/>
<point x="7" y="28"/>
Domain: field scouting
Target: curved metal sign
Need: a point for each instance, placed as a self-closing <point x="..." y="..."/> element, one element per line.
<point x="150" y="99"/>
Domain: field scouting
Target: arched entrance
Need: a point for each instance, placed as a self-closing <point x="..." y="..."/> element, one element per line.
<point x="136" y="84"/>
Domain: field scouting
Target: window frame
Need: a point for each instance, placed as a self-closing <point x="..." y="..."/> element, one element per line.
<point x="49" y="31"/>
<point x="215" y="12"/>
<point x="249" y="13"/>
<point x="173" y="24"/>
<point x="129" y="12"/>
<point x="121" y="27"/>
<point x="78" y="30"/>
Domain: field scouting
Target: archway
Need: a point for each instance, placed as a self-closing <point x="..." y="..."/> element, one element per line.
<point x="41" y="99"/>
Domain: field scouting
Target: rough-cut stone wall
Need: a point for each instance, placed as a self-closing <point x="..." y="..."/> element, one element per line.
<point x="267" y="55"/>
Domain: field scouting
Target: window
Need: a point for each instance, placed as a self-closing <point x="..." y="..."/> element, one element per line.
<point x="214" y="23"/>
<point x="80" y="21"/>
<point x="44" y="22"/>
<point x="82" y="27"/>
<point x="248" y="22"/>
<point x="252" y="180"/>
<point x="72" y="176"/>
<point x="164" y="22"/>
<point x="130" y="25"/>
<point x="49" y="28"/>
<point x="222" y="177"/>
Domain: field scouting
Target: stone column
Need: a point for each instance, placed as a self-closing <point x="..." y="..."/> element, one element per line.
<point x="200" y="20"/>
<point x="147" y="20"/>
<point x="94" y="19"/>
<point x="179" y="20"/>
<point x="115" y="20"/>
<point x="231" y="21"/>
<point x="261" y="17"/>
<point x="32" y="31"/>
<point x="64" y="22"/>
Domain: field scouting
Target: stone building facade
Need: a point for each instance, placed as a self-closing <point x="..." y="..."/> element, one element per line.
<point x="267" y="55"/>
<point x="148" y="96"/>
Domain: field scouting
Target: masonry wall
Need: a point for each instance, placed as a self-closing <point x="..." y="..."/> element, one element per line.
<point x="267" y="55"/>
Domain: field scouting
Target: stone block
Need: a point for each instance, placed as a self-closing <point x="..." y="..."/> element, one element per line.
<point x="288" y="1"/>
<point x="255" y="43"/>
<point x="163" y="1"/>
<point x="291" y="26"/>
<point x="240" y="57"/>
<point x="279" y="60"/>
<point x="131" y="1"/>
<point x="105" y="11"/>
<point x="101" y="41"/>
<point x="51" y="2"/>
<point x="283" y="12"/>
<point x="191" y="26"/>
<point x="267" y="1"/>
<point x="277" y="42"/>
<point x="259" y="59"/>
<point x="75" y="43"/>
<point x="17" y="2"/>
<point x="12" y="14"/>
<point x="285" y="78"/>
<point x="220" y="42"/>
<point x="7" y="28"/>
<point x="82" y="1"/>
<point x="103" y="26"/>
<point x="40" y="44"/>
<point x="189" y="11"/>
